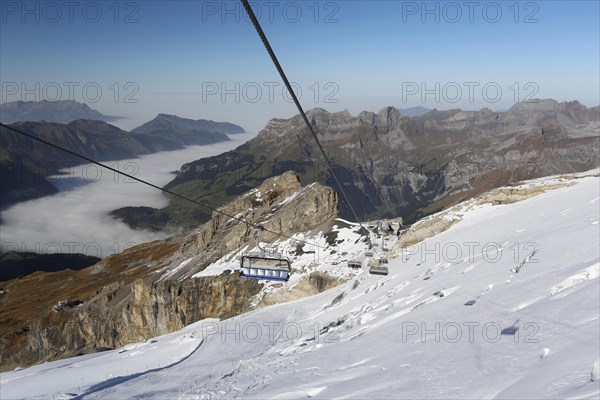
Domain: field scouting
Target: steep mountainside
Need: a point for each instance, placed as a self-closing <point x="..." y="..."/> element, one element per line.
<point x="494" y="298"/>
<point x="392" y="165"/>
<point x="158" y="287"/>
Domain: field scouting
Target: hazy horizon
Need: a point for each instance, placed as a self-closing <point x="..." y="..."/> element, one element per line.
<point x="129" y="123"/>
<point x="203" y="60"/>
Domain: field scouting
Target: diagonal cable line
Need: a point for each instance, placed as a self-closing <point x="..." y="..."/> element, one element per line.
<point x="296" y="101"/>
<point x="102" y="165"/>
<point x="267" y="45"/>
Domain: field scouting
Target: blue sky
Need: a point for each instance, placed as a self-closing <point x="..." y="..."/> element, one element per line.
<point x="204" y="60"/>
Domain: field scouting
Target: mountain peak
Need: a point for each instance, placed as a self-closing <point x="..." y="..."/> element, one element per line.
<point x="61" y="111"/>
<point x="167" y="116"/>
<point x="535" y="105"/>
<point x="389" y="112"/>
<point x="186" y="125"/>
<point x="414" y="111"/>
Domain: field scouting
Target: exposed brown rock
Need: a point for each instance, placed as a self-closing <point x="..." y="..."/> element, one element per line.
<point x="148" y="290"/>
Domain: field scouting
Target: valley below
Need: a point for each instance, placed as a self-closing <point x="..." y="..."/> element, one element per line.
<point x="78" y="220"/>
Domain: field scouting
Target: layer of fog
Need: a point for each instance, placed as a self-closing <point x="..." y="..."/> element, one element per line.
<point x="77" y="220"/>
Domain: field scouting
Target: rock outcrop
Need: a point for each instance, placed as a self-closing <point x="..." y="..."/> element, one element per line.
<point x="280" y="205"/>
<point x="150" y="289"/>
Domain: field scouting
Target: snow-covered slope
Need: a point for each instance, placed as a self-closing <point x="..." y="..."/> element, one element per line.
<point x="503" y="304"/>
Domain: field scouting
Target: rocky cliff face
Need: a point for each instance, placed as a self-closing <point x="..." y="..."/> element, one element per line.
<point x="151" y="289"/>
<point x="280" y="205"/>
<point x="393" y="165"/>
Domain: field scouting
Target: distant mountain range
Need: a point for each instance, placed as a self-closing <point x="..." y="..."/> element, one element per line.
<point x="61" y="111"/>
<point x="394" y="165"/>
<point x="24" y="164"/>
<point x="174" y="124"/>
<point x="414" y="111"/>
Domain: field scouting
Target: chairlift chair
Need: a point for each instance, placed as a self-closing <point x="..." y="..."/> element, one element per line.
<point x="376" y="267"/>
<point x="378" y="270"/>
<point x="264" y="265"/>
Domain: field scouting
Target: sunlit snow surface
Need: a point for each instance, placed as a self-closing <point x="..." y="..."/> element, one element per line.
<point x="529" y="334"/>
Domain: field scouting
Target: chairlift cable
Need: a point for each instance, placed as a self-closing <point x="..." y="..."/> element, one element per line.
<point x="269" y="49"/>
<point x="283" y="76"/>
<point x="102" y="165"/>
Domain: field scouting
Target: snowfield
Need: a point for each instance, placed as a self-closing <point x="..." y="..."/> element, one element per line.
<point x="503" y="304"/>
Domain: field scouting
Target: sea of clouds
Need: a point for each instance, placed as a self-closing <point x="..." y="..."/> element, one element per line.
<point x="77" y="220"/>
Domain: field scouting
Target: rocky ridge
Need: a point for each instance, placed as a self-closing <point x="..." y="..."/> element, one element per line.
<point x="61" y="111"/>
<point x="394" y="165"/>
<point x="158" y="287"/>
